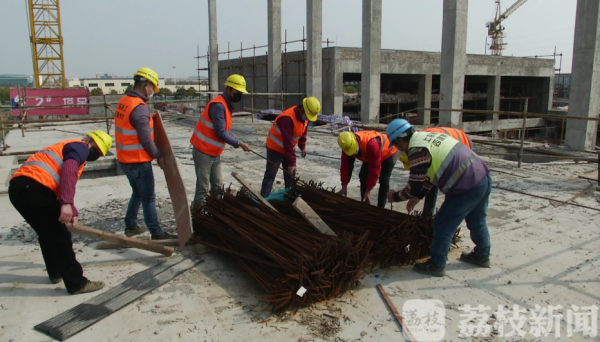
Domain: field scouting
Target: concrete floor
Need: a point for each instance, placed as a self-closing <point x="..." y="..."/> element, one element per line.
<point x="541" y="256"/>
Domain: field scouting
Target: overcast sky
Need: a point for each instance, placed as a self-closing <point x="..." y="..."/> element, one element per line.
<point x="118" y="37"/>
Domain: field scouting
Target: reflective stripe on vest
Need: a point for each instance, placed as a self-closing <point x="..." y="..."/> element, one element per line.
<point x="129" y="147"/>
<point x="204" y="137"/>
<point x="275" y="138"/>
<point x="45" y="166"/>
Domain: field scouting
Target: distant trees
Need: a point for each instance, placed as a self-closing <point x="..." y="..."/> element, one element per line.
<point x="96" y="92"/>
<point x="350" y="89"/>
<point x="191" y="91"/>
<point x="127" y="89"/>
<point x="114" y="92"/>
<point x="4" y="94"/>
<point x="165" y="92"/>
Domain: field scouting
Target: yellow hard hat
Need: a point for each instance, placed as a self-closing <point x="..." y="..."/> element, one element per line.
<point x="312" y="107"/>
<point x="103" y="140"/>
<point x="348" y="143"/>
<point x="150" y="75"/>
<point x="237" y="82"/>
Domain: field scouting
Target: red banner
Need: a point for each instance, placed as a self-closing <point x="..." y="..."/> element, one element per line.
<point x="42" y="102"/>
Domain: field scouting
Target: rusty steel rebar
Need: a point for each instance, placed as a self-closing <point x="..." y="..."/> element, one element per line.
<point x="281" y="253"/>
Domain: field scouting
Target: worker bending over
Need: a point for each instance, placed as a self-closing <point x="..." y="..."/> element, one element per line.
<point x="378" y="158"/>
<point x="288" y="130"/>
<point x="432" y="191"/>
<point x="43" y="192"/>
<point x="210" y="137"/>
<point x="461" y="175"/>
<point x="134" y="132"/>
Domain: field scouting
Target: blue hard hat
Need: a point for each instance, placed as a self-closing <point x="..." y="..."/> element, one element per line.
<point x="398" y="128"/>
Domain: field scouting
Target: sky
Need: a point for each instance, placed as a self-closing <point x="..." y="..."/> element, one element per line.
<point x="120" y="36"/>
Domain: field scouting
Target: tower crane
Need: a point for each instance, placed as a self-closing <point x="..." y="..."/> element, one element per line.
<point x="495" y="28"/>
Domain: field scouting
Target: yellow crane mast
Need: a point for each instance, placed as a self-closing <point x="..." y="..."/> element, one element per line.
<point x="495" y="28"/>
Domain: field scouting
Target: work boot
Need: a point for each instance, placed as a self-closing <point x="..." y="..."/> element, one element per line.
<point x="90" y="286"/>
<point x="475" y="259"/>
<point x="129" y="232"/>
<point x="164" y="236"/>
<point x="429" y="268"/>
<point x="55" y="280"/>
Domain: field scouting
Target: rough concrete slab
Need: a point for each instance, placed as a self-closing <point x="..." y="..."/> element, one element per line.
<point x="541" y="255"/>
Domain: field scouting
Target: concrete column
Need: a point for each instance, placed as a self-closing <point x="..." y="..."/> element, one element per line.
<point x="333" y="83"/>
<point x="424" y="97"/>
<point x="453" y="63"/>
<point x="493" y="102"/>
<point x="274" y="75"/>
<point x="547" y="94"/>
<point x="584" y="98"/>
<point x="213" y="67"/>
<point x="371" y="61"/>
<point x="338" y="84"/>
<point x="314" y="59"/>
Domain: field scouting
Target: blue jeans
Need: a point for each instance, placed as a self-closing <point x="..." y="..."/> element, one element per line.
<point x="430" y="201"/>
<point x="141" y="179"/>
<point x="470" y="206"/>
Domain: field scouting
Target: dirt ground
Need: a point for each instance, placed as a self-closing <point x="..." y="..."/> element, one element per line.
<point x="543" y="254"/>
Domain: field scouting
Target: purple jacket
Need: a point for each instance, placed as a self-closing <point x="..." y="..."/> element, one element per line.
<point x="216" y="112"/>
<point x="286" y="126"/>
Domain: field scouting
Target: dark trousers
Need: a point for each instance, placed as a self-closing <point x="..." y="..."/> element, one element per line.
<point x="387" y="166"/>
<point x="430" y="201"/>
<point x="40" y="208"/>
<point x="271" y="172"/>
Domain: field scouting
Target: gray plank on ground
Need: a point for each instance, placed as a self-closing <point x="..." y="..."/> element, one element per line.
<point x="82" y="316"/>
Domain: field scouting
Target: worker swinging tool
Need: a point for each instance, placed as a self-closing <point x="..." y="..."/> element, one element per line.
<point x="43" y="191"/>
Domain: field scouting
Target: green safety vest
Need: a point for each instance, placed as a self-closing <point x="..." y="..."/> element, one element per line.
<point x="442" y="148"/>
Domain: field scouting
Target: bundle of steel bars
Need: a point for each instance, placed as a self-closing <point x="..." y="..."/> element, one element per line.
<point x="398" y="239"/>
<point x="285" y="255"/>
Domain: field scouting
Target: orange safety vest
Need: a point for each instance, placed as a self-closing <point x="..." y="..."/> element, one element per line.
<point x="275" y="140"/>
<point x="363" y="137"/>
<point x="129" y="148"/>
<point x="44" y="166"/>
<point x="453" y="132"/>
<point x="204" y="138"/>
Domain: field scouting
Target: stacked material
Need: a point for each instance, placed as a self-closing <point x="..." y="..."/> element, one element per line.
<point x="292" y="261"/>
<point x="398" y="239"/>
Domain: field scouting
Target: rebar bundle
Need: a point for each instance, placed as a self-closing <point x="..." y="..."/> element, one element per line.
<point x="283" y="254"/>
<point x="398" y="239"/>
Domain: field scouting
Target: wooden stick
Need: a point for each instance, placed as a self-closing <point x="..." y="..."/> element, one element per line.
<point x="110" y="245"/>
<point x="312" y="217"/>
<point x="396" y="313"/>
<point x="254" y="192"/>
<point x="130" y="242"/>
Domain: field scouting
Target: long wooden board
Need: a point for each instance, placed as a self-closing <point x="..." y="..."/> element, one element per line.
<point x="312" y="217"/>
<point x="120" y="239"/>
<point x="174" y="183"/>
<point x="252" y="190"/>
<point x="84" y="315"/>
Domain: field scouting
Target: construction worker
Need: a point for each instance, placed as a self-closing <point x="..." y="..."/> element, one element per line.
<point x="211" y="134"/>
<point x="288" y="130"/>
<point x="43" y="191"/>
<point x="461" y="175"/>
<point x="134" y="133"/>
<point x="432" y="191"/>
<point x="378" y="158"/>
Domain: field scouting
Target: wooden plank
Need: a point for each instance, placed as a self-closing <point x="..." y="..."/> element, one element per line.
<point x="397" y="315"/>
<point x="590" y="175"/>
<point x="312" y="217"/>
<point x="120" y="239"/>
<point x="110" y="245"/>
<point x="174" y="183"/>
<point x="254" y="192"/>
<point x="84" y="315"/>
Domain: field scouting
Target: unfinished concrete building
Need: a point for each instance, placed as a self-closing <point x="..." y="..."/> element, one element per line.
<point x="396" y="81"/>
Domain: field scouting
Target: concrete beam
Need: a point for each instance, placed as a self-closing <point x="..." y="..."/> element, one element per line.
<point x="274" y="74"/>
<point x="493" y="102"/>
<point x="371" y="61"/>
<point x="424" y="99"/>
<point x="584" y="98"/>
<point x="213" y="62"/>
<point x="314" y="58"/>
<point x="506" y="124"/>
<point x="453" y="61"/>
